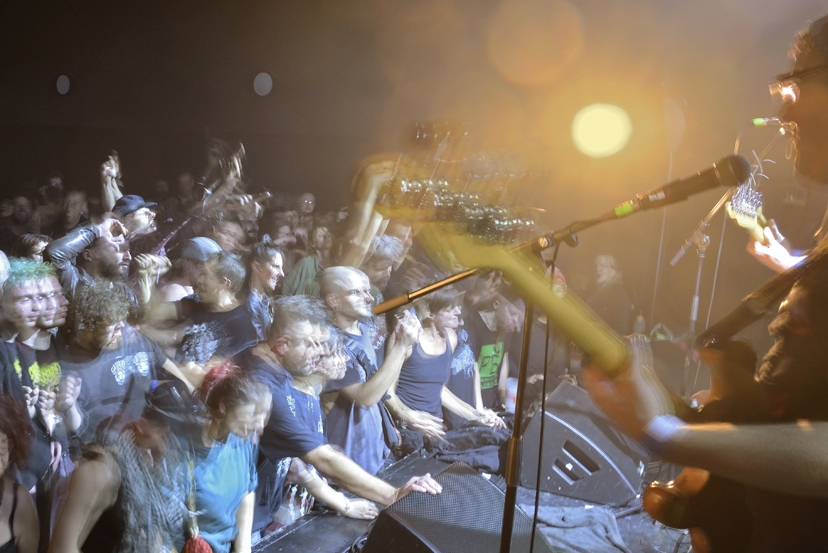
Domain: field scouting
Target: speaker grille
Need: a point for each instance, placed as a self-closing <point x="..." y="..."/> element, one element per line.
<point x="466" y="517"/>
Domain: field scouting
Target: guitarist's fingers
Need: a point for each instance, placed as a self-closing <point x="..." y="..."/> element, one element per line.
<point x="774" y="232"/>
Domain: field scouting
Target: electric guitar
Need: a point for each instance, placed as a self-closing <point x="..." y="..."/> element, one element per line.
<point x="745" y="209"/>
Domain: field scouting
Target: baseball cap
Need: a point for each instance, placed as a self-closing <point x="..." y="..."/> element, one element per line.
<point x="129" y="204"/>
<point x="200" y="248"/>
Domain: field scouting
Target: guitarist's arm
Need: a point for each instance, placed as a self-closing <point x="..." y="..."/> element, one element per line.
<point x="785" y="458"/>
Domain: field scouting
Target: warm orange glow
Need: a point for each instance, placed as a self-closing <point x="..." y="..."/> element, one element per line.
<point x="601" y="130"/>
<point x="532" y="43"/>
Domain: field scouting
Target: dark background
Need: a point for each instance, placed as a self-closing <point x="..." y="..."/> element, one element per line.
<point x="157" y="80"/>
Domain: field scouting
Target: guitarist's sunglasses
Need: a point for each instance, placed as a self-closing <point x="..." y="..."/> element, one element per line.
<point x="786" y="87"/>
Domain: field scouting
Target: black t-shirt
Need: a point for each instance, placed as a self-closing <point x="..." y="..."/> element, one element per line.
<point x="295" y="428"/>
<point x="114" y="381"/>
<point x="489" y="351"/>
<point x="211" y="333"/>
<point x="461" y="378"/>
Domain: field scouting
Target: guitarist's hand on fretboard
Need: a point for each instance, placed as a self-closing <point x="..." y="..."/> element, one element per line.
<point x="772" y="253"/>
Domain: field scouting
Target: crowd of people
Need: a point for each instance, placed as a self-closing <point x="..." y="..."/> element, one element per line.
<point x="173" y="367"/>
<point x="170" y="368"/>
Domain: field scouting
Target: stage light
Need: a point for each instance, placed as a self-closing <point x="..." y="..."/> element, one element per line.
<point x="262" y="84"/>
<point x="600" y="130"/>
<point x="63" y="84"/>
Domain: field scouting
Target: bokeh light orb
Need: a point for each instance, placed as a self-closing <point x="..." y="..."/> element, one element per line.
<point x="63" y="84"/>
<point x="263" y="84"/>
<point x="600" y="130"/>
<point x="532" y="42"/>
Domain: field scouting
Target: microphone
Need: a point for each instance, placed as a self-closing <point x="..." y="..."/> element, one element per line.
<point x="730" y="171"/>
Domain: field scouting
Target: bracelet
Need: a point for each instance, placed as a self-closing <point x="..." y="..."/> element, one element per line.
<point x="660" y="430"/>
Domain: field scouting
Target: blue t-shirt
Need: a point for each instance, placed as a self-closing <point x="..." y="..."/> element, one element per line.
<point x="295" y="428"/>
<point x="358" y="431"/>
<point x="224" y="474"/>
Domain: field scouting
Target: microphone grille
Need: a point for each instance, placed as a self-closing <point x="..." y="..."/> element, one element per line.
<point x="741" y="168"/>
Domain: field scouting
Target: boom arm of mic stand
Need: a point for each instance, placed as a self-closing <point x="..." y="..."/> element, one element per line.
<point x="700" y="229"/>
<point x="565" y="235"/>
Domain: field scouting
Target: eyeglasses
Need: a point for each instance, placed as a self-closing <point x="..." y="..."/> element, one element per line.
<point x="786" y="87"/>
<point x="360" y="292"/>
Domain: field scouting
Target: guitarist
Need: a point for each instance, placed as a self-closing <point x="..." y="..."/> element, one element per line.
<point x="781" y="460"/>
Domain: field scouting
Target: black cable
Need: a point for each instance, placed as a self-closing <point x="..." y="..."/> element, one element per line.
<point x="543" y="403"/>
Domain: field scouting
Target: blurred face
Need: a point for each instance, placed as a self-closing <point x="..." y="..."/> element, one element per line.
<point x="354" y="297"/>
<point x="113" y="257"/>
<point x="141" y="221"/>
<point x="303" y="349"/>
<point x="22" y="210"/>
<point x="292" y="217"/>
<point x="22" y="306"/>
<point x="307" y="202"/>
<point x="244" y="420"/>
<point x="322" y="239"/>
<point x="102" y="337"/>
<point x="488" y="285"/>
<point x="36" y="253"/>
<point x="185" y="185"/>
<point x="207" y="283"/>
<point x="402" y="231"/>
<point x="229" y="236"/>
<point x="806" y="104"/>
<point x="378" y="273"/>
<point x="334" y="364"/>
<point x="269" y="274"/>
<point x="73" y="205"/>
<point x="507" y="317"/>
<point x="448" y="317"/>
<point x="54" y="304"/>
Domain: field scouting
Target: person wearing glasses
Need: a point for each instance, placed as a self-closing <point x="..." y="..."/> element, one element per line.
<point x="778" y="456"/>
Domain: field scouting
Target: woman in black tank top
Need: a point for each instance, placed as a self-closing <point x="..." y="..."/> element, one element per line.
<point x="420" y="394"/>
<point x="19" y="530"/>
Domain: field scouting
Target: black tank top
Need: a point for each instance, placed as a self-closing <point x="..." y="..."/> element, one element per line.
<point x="422" y="378"/>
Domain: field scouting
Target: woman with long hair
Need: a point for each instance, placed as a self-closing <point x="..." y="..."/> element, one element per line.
<point x="19" y="528"/>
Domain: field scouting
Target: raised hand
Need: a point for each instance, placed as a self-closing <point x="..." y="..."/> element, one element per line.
<point x="67" y="395"/>
<point x="112" y="230"/>
<point x="111" y="168"/>
<point x="407" y="329"/>
<point x="152" y="265"/>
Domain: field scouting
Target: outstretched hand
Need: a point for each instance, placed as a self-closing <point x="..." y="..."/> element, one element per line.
<point x="361" y="510"/>
<point x="421" y="484"/>
<point x="771" y="252"/>
<point x="425" y="423"/>
<point x="635" y="399"/>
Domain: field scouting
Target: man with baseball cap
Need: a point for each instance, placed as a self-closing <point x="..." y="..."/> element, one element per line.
<point x="135" y="214"/>
<point x="196" y="252"/>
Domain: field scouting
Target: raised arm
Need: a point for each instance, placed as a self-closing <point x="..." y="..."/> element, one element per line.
<point x="110" y="175"/>
<point x="405" y="335"/>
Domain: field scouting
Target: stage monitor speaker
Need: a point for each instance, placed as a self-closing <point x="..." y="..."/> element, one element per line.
<point x="465" y="518"/>
<point x="584" y="456"/>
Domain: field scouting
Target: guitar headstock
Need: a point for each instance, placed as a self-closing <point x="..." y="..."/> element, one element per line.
<point x="745" y="208"/>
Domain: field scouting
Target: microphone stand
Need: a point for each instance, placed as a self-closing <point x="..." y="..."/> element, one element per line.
<point x="701" y="241"/>
<point x="555" y="238"/>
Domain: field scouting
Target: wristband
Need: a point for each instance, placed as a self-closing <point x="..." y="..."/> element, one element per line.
<point x="660" y="430"/>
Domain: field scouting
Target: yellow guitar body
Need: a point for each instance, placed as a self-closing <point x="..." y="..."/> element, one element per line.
<point x="453" y="248"/>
